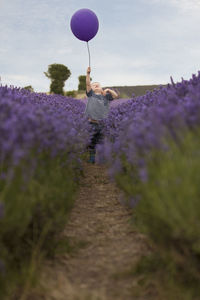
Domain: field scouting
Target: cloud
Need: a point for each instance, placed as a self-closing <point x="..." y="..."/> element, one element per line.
<point x="130" y="78"/>
<point x="112" y="61"/>
<point x="186" y="4"/>
<point x="2" y="50"/>
<point x="18" y="80"/>
<point x="140" y="41"/>
<point x="182" y="5"/>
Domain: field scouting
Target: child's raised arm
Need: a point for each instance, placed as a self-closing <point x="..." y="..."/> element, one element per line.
<point x="113" y="93"/>
<point x="88" y="85"/>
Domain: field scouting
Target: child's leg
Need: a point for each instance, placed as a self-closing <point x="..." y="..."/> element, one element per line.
<point x="96" y="139"/>
<point x="92" y="144"/>
<point x="99" y="134"/>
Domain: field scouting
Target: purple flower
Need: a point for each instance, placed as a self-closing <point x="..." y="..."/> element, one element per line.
<point x="139" y="125"/>
<point x="133" y="201"/>
<point x="45" y="123"/>
<point x="143" y="174"/>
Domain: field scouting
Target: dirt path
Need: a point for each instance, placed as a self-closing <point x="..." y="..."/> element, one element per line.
<point x="111" y="245"/>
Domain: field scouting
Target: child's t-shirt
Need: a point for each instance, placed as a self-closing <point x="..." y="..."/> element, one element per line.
<point x="97" y="107"/>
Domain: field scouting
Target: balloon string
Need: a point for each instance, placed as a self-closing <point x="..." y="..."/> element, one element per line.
<point x="88" y="53"/>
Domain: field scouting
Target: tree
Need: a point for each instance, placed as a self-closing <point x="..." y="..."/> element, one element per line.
<point x="29" y="88"/>
<point x="58" y="74"/>
<point x="82" y="83"/>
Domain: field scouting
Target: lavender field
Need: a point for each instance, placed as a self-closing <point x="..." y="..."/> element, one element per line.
<point x="42" y="141"/>
<point x="151" y="150"/>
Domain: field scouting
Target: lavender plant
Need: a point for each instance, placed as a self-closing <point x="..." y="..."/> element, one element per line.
<point x="135" y="127"/>
<point x="152" y="152"/>
<point x="168" y="212"/>
<point x="42" y="142"/>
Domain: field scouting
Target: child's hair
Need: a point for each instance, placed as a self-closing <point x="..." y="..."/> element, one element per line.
<point x="99" y="84"/>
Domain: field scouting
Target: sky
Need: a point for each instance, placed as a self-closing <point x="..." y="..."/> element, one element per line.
<point x="139" y="42"/>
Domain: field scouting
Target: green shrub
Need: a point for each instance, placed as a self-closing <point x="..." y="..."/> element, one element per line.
<point x="168" y="210"/>
<point x="71" y="93"/>
<point x="36" y="211"/>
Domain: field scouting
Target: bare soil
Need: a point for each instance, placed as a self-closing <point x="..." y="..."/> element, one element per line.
<point x="109" y="246"/>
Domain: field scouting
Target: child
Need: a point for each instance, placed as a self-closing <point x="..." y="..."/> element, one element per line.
<point x="97" y="109"/>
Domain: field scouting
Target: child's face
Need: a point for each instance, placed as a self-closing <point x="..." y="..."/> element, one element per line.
<point x="96" y="87"/>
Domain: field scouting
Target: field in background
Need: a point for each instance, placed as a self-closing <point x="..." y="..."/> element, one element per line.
<point x="125" y="91"/>
<point x="137" y="90"/>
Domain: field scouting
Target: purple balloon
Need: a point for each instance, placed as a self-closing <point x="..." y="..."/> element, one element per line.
<point x="84" y="24"/>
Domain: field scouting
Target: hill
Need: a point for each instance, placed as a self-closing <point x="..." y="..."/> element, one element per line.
<point x="137" y="90"/>
<point x="125" y="91"/>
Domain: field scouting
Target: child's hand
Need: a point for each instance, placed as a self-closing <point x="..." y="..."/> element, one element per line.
<point x="113" y="93"/>
<point x="106" y="91"/>
<point x="88" y="70"/>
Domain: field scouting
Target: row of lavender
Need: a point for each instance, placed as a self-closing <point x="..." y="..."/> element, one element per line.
<point x="46" y="123"/>
<point x="151" y="148"/>
<point x="135" y="127"/>
<point x="42" y="141"/>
